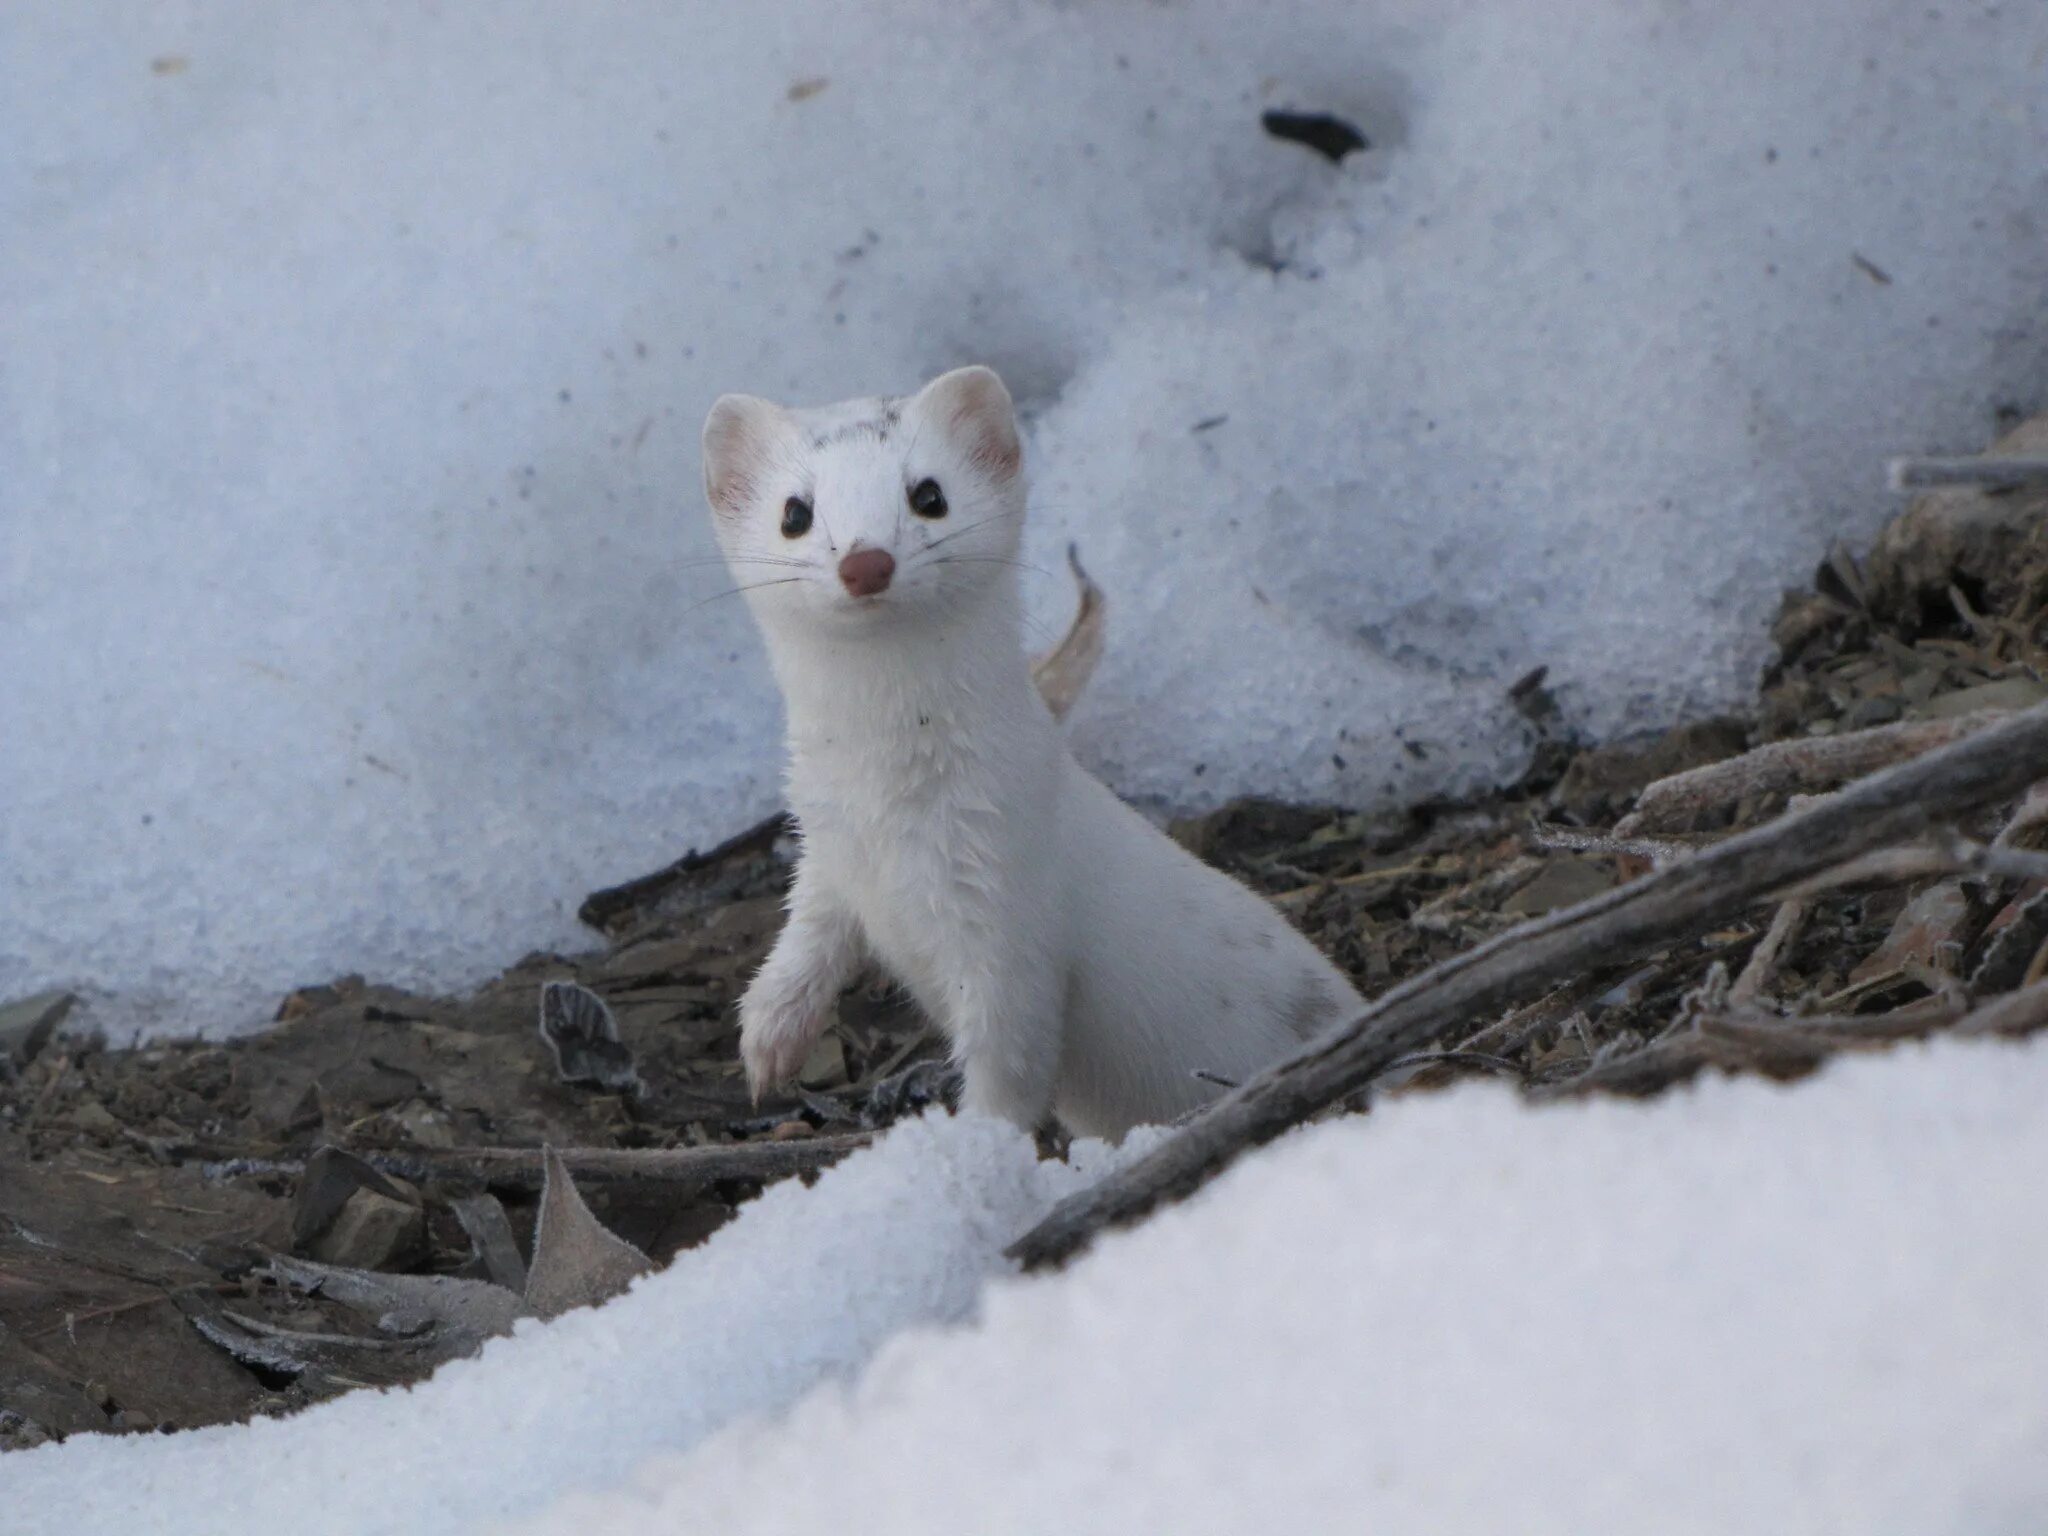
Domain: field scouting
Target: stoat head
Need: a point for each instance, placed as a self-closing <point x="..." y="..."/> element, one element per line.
<point x="870" y="512"/>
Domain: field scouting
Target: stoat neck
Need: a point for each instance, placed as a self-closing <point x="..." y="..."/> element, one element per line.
<point x="863" y="684"/>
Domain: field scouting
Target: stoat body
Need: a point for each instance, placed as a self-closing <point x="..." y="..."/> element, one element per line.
<point x="1079" y="961"/>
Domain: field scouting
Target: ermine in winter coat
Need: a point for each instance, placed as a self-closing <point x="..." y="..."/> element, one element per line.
<point x="1079" y="961"/>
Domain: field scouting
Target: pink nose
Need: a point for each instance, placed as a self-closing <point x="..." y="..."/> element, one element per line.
<point x="867" y="571"/>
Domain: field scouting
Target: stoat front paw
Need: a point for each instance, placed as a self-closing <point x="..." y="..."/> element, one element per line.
<point x="774" y="1041"/>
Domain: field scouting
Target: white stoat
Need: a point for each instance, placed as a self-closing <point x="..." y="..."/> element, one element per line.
<point x="1079" y="961"/>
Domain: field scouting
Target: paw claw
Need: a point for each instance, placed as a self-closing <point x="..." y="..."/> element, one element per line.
<point x="773" y="1046"/>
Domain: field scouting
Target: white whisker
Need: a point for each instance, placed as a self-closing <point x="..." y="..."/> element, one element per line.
<point x="1021" y="565"/>
<point x="755" y="586"/>
<point x="993" y="517"/>
<point x="711" y="560"/>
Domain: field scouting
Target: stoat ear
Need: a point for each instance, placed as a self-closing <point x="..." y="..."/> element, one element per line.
<point x="973" y="409"/>
<point x="739" y="436"/>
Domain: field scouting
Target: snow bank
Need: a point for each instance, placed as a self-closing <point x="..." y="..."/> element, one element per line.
<point x="1737" y="1308"/>
<point x="807" y="1284"/>
<point x="1742" y="1309"/>
<point x="351" y="361"/>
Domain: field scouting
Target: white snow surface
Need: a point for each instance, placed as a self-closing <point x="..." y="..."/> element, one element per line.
<point x="1740" y="1307"/>
<point x="352" y="359"/>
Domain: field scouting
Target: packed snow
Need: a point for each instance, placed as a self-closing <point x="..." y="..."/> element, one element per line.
<point x="351" y="363"/>
<point x="1740" y="1307"/>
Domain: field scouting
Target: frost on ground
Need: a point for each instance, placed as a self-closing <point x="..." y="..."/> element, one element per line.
<point x="351" y="362"/>
<point x="1738" y="1307"/>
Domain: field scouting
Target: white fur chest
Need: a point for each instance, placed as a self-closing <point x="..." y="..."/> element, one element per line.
<point x="934" y="821"/>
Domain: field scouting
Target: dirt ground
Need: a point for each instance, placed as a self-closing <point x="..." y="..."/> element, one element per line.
<point x="147" y="1196"/>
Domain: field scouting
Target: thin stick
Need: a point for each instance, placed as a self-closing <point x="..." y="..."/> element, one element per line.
<point x="1889" y="807"/>
<point x="71" y="1320"/>
<point x="1658" y="850"/>
<point x="1828" y="1031"/>
<point x="1750" y="1040"/>
<point x="2029" y="814"/>
<point x="1502" y="1036"/>
<point x="2016" y="1013"/>
<point x="1785" y="924"/>
<point x="2000" y="473"/>
<point x="1886" y="866"/>
<point x="690" y="1168"/>
<point x="1461" y="1059"/>
<point x="1444" y="915"/>
<point x="1949" y="856"/>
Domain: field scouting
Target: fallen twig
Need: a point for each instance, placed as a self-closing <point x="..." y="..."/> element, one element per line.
<point x="1449" y="914"/>
<point x="1497" y="1040"/>
<point x="689" y="1167"/>
<point x="1478" y="1059"/>
<point x="1658" y="850"/>
<point x="1828" y="1031"/>
<point x="1949" y="855"/>
<point x="1997" y="762"/>
<point x="2016" y="1013"/>
<point x="1764" y="958"/>
<point x="170" y="1294"/>
<point x="1739" y="1039"/>
<point x="1807" y="763"/>
<point x="2001" y="473"/>
<point x="2030" y="813"/>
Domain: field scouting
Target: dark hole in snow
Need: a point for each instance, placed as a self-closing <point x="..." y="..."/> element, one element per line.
<point x="1325" y="133"/>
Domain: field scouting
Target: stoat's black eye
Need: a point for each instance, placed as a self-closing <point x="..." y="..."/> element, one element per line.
<point x="796" y="518"/>
<point x="927" y="500"/>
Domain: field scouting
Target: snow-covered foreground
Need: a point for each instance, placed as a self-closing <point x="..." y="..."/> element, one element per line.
<point x="352" y="357"/>
<point x="1737" y="1308"/>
